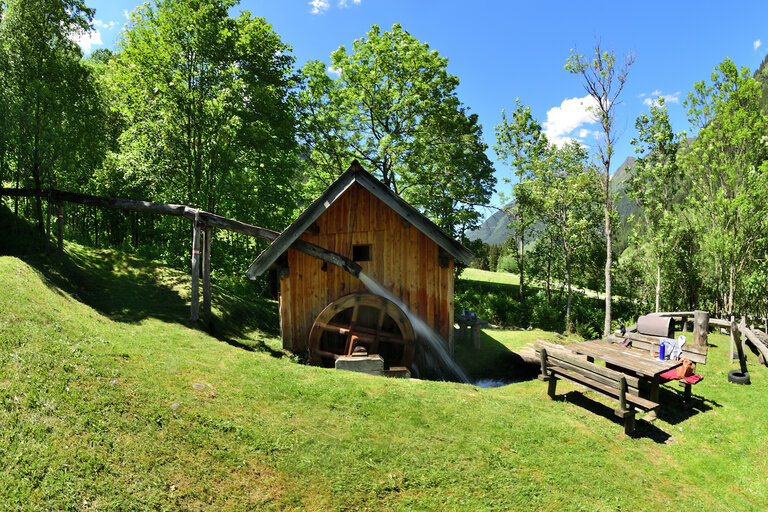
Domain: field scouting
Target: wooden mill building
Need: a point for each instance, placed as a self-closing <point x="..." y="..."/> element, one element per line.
<point x="324" y="310"/>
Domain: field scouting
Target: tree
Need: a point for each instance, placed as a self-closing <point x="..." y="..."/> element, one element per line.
<point x="209" y="113"/>
<point x="394" y="107"/>
<point x="603" y="80"/>
<point x="656" y="183"/>
<point x="53" y="112"/>
<point x="207" y="101"/>
<point x="566" y="197"/>
<point x="729" y="167"/>
<point x="520" y="144"/>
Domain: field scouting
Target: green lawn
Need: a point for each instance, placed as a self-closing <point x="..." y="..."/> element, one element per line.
<point x="474" y="274"/>
<point x="111" y="400"/>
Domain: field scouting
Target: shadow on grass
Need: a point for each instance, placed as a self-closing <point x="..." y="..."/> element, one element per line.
<point x="491" y="360"/>
<point x="642" y="427"/>
<point x="130" y="289"/>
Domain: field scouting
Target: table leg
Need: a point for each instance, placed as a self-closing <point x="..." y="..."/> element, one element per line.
<point x="655" y="384"/>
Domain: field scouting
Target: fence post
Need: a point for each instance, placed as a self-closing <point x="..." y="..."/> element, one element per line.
<point x="207" y="272"/>
<point x="61" y="227"/>
<point x="48" y="227"/>
<point x="194" y="309"/>
<point x="700" y="328"/>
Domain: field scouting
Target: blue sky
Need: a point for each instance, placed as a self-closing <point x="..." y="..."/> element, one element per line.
<point x="502" y="50"/>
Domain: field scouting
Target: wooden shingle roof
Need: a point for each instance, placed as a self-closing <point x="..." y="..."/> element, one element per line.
<point x="356" y="174"/>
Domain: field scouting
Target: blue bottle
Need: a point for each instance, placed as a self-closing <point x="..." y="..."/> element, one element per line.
<point x="661" y="351"/>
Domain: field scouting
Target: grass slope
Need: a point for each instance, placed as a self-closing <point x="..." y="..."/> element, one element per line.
<point x="99" y="411"/>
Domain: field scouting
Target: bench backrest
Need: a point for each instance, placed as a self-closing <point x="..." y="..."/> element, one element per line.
<point x="643" y="342"/>
<point x="579" y="364"/>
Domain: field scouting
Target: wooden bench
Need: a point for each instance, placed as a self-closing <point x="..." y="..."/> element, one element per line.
<point x="646" y="343"/>
<point x="561" y="364"/>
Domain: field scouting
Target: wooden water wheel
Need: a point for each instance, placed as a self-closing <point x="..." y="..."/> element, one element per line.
<point x="362" y="319"/>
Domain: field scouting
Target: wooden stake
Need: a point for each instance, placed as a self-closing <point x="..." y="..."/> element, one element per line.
<point x="48" y="228"/>
<point x="700" y="328"/>
<point x="61" y="227"/>
<point x="207" y="272"/>
<point x="194" y="312"/>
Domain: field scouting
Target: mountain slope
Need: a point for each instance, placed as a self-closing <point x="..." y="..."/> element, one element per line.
<point x="495" y="230"/>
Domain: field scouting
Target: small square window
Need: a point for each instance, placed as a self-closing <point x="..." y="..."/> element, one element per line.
<point x="361" y="253"/>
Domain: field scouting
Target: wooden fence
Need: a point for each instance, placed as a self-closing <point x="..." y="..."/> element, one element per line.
<point x="202" y="222"/>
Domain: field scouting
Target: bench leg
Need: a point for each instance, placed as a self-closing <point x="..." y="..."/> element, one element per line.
<point x="629" y="423"/>
<point x="551" y="387"/>
<point x="687" y="402"/>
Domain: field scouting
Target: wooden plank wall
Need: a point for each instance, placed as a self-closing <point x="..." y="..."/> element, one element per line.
<point x="403" y="260"/>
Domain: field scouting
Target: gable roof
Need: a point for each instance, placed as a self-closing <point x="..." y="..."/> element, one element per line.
<point x="356" y="174"/>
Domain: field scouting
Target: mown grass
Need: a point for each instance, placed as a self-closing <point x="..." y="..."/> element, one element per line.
<point x="110" y="400"/>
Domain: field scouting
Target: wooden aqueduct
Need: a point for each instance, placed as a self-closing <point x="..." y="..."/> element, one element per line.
<point x="358" y="226"/>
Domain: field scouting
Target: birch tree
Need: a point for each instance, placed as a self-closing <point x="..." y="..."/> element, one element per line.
<point x="603" y="79"/>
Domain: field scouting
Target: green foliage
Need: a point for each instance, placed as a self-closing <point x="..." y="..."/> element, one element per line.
<point x="209" y="118"/>
<point x="728" y="163"/>
<point x="52" y="115"/>
<point x="394" y="107"/>
<point x="603" y="79"/>
<point x="656" y="186"/>
<point x="520" y="144"/>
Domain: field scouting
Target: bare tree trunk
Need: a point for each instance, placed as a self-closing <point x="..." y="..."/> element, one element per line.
<point x="658" y="283"/>
<point x="568" y="281"/>
<point x="608" y="259"/>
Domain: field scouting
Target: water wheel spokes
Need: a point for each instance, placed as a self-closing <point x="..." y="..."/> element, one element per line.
<point x="362" y="319"/>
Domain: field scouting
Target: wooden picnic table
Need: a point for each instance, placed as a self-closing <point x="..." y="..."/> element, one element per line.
<point x="627" y="360"/>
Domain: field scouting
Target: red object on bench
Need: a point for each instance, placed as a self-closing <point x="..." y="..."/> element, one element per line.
<point x="672" y="375"/>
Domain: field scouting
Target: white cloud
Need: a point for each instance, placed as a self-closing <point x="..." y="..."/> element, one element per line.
<point x="653" y="98"/>
<point x="757" y="44"/>
<point x="333" y="71"/>
<point x="570" y="116"/>
<point x="345" y="3"/>
<point x="107" y="25"/>
<point x="319" y="6"/>
<point x="87" y="39"/>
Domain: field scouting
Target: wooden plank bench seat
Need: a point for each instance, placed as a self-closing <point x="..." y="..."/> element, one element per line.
<point x="645" y="343"/>
<point x="563" y="365"/>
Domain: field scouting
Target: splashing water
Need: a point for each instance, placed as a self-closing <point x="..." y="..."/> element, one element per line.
<point x="434" y="340"/>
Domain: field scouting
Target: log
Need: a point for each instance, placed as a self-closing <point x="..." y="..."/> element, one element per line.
<point x="755" y="340"/>
<point x="736" y="339"/>
<point x="207" y="272"/>
<point x="194" y="312"/>
<point x="701" y="322"/>
<point x="61" y="227"/>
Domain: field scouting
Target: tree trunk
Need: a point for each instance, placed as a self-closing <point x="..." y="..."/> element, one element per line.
<point x="549" y="271"/>
<point x="521" y="269"/>
<point x="731" y="285"/>
<point x="658" y="282"/>
<point x="608" y="259"/>
<point x="568" y="281"/>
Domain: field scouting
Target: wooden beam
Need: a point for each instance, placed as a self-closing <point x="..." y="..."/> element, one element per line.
<point x="48" y="228"/>
<point x="756" y="342"/>
<point x="61" y="227"/>
<point x="179" y="210"/>
<point x="207" y="272"/>
<point x="194" y="310"/>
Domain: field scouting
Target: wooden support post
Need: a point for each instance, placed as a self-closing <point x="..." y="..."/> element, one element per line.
<point x="48" y="228"/>
<point x="700" y="328"/>
<point x="733" y="334"/>
<point x="61" y="227"/>
<point x="736" y="339"/>
<point x="207" y="272"/>
<point x="194" y="310"/>
<point x="684" y="324"/>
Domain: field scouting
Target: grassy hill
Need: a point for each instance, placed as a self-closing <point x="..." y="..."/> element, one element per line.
<point x="111" y="400"/>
